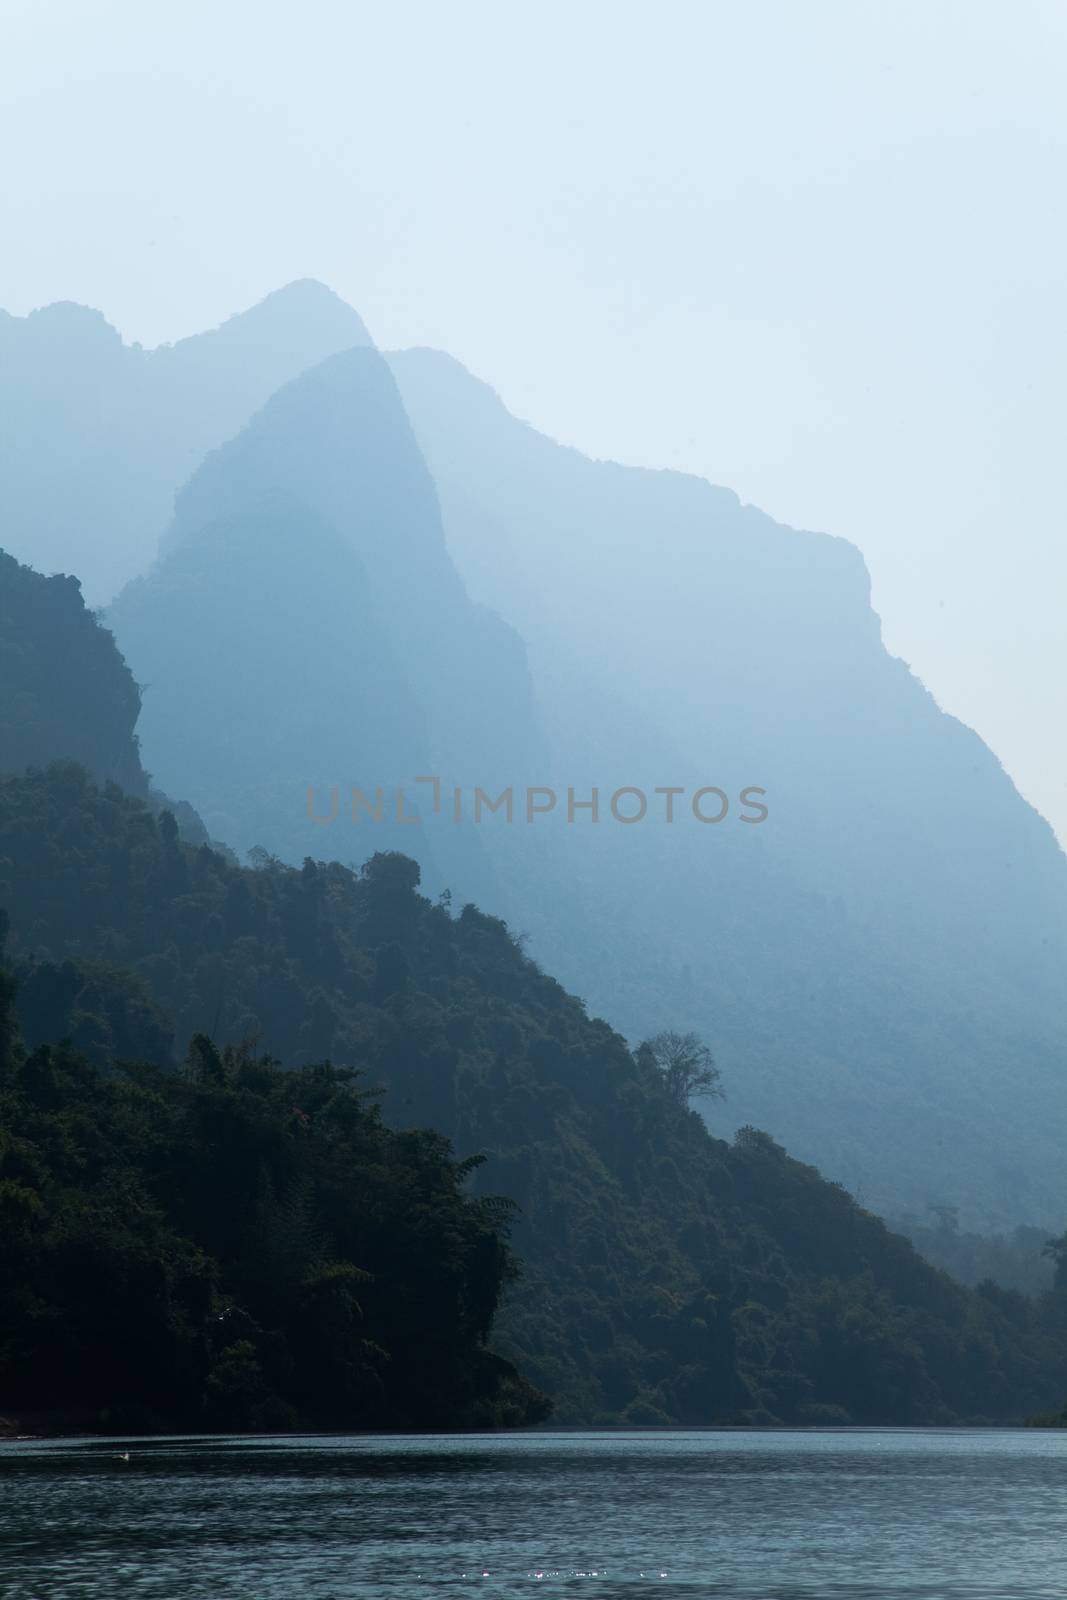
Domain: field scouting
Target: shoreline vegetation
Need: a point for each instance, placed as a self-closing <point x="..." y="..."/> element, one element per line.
<point x="1048" y="1419"/>
<point x="43" y="1428"/>
<point x="235" y="1246"/>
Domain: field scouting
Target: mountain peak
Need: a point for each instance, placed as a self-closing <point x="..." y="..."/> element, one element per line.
<point x="304" y="310"/>
<point x="305" y="292"/>
<point x="68" y="322"/>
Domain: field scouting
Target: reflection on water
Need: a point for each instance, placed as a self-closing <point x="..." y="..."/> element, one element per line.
<point x="771" y="1516"/>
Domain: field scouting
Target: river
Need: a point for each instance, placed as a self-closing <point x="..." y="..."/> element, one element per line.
<point x="813" y="1515"/>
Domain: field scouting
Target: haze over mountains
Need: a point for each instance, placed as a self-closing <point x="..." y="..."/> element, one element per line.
<point x="336" y="643"/>
<point x="96" y="435"/>
<point x="882" y="969"/>
<point x="350" y="594"/>
<point x="243" y="1244"/>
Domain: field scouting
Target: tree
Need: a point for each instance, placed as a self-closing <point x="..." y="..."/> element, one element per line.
<point x="948" y="1217"/>
<point x="1057" y="1249"/>
<point x="687" y="1065"/>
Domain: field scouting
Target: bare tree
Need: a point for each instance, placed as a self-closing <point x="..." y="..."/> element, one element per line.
<point x="687" y="1065"/>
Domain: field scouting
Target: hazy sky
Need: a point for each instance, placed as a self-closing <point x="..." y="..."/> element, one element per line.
<point x="813" y="250"/>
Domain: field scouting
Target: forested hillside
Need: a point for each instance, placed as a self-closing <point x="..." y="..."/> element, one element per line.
<point x="65" y="691"/>
<point x="236" y="1246"/>
<point x="666" y="1274"/>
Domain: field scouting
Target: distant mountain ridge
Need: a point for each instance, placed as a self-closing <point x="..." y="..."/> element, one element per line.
<point x="96" y="435"/>
<point x="357" y="583"/>
<point x="304" y="626"/>
<point x="881" y="966"/>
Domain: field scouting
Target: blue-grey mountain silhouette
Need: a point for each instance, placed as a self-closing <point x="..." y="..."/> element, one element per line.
<point x="881" y="965"/>
<point x="304" y="627"/>
<point x="96" y="435"/>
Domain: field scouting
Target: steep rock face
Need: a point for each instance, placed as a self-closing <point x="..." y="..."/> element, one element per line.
<point x="96" y="435"/>
<point x="65" y="692"/>
<point x="304" y="626"/>
<point x="880" y="964"/>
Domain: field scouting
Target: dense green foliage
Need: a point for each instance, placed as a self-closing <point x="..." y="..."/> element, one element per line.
<point x="667" y="1275"/>
<point x="236" y="1246"/>
<point x="1048" y="1419"/>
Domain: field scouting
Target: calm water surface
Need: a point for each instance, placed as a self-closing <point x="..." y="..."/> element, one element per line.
<point x="772" y="1516"/>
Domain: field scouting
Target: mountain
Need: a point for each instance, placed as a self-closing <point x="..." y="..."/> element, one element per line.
<point x="66" y="694"/>
<point x="304" y="627"/>
<point x="96" y="435"/>
<point x="667" y="1276"/>
<point x="879" y="964"/>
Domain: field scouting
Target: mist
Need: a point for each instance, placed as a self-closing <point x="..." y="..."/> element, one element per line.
<point x="810" y="253"/>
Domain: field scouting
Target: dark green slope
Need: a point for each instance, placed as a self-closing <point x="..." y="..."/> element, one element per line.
<point x="236" y="1246"/>
<point x="64" y="689"/>
<point x="667" y="1275"/>
<point x="66" y="694"/>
